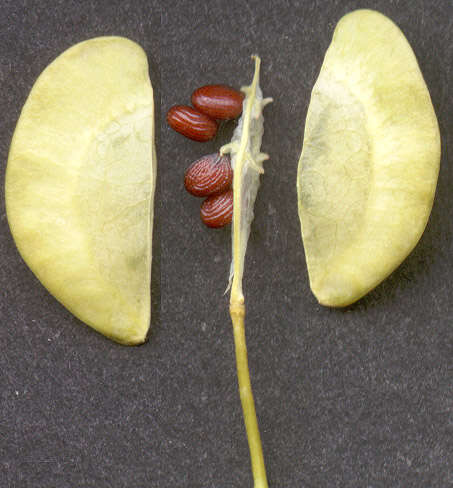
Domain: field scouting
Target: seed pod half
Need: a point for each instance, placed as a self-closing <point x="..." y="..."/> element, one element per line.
<point x="368" y="169"/>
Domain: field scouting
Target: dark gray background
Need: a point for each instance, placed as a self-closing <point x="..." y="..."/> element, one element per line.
<point x="361" y="397"/>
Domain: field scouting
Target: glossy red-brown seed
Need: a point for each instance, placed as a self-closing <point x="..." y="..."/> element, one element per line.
<point x="209" y="175"/>
<point x="191" y="123"/>
<point x="218" y="101"/>
<point x="217" y="210"/>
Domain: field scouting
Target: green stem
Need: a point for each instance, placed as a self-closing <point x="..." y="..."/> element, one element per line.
<point x="237" y="312"/>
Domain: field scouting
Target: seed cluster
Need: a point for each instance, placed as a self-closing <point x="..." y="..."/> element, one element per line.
<point x="210" y="176"/>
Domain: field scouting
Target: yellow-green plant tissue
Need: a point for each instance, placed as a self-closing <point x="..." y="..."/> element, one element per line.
<point x="370" y="159"/>
<point x="80" y="184"/>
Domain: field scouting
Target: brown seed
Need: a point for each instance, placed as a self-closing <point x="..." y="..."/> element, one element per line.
<point x="218" y="101"/>
<point x="191" y="123"/>
<point x="217" y="210"/>
<point x="209" y="175"/>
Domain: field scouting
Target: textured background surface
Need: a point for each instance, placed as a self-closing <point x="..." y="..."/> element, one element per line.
<point x="361" y="397"/>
